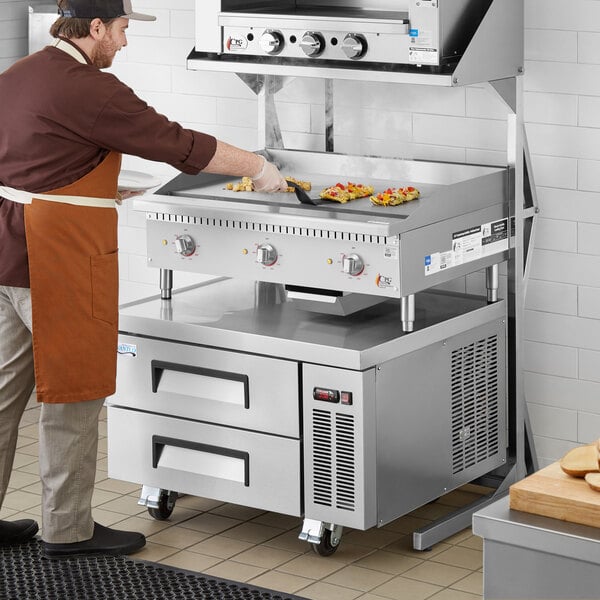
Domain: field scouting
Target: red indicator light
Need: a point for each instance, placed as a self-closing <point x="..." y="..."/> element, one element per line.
<point x="346" y="398"/>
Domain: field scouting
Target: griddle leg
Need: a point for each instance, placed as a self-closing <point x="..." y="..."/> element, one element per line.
<point x="408" y="313"/>
<point x="166" y="283"/>
<point x="492" y="283"/>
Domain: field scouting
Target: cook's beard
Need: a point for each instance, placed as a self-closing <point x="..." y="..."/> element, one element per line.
<point x="104" y="53"/>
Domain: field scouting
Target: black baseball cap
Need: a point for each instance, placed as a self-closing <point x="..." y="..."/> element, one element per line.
<point x="102" y="9"/>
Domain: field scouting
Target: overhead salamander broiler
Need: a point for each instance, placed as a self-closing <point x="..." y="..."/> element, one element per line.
<point x="319" y="374"/>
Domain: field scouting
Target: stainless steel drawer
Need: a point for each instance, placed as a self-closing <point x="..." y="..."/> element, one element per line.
<point x="252" y="469"/>
<point x="206" y="384"/>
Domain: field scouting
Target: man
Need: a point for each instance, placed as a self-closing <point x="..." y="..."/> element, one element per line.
<point x="63" y="126"/>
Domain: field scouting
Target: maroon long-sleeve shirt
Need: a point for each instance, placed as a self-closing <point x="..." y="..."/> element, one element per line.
<point x="59" y="118"/>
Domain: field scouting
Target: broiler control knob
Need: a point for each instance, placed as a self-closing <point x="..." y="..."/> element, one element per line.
<point x="312" y="43"/>
<point x="271" y="41"/>
<point x="185" y="245"/>
<point x="353" y="264"/>
<point x="354" y="46"/>
<point x="266" y="255"/>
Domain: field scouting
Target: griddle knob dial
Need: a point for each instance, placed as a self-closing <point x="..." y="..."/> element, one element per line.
<point x="266" y="255"/>
<point x="185" y="245"/>
<point x="312" y="43"/>
<point x="353" y="264"/>
<point x="354" y="46"/>
<point x="271" y="41"/>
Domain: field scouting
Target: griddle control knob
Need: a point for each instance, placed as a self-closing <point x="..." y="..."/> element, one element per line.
<point x="312" y="43"/>
<point x="354" y="46"/>
<point x="266" y="255"/>
<point x="271" y="41"/>
<point x="353" y="264"/>
<point x="185" y="245"/>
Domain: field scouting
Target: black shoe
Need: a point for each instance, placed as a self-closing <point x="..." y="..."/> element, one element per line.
<point x="104" y="541"/>
<point x="17" y="532"/>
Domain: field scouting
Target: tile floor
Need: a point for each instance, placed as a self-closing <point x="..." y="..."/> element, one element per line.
<point x="261" y="548"/>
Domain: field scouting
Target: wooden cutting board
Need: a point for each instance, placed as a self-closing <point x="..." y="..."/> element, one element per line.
<point x="552" y="493"/>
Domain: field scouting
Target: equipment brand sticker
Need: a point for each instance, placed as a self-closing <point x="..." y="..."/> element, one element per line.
<point x="470" y="244"/>
<point x="127" y="349"/>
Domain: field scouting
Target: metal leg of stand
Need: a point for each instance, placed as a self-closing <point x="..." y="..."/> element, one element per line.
<point x="460" y="519"/>
<point x="166" y="283"/>
<point x="492" y="282"/>
<point x="407" y="308"/>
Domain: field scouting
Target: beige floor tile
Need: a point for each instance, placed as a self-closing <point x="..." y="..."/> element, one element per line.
<point x="228" y="569"/>
<point x="190" y="561"/>
<point x="358" y="578"/>
<point x="179" y="515"/>
<point x="235" y="511"/>
<point x="263" y="556"/>
<point x="461" y="557"/>
<point x="407" y="524"/>
<point x="450" y="594"/>
<point x="101" y="497"/>
<point x="311" y="565"/>
<point x="348" y="553"/>
<point x="281" y="582"/>
<point x="289" y="541"/>
<point x="154" y="552"/>
<point x="25" y="460"/>
<point x="108" y="518"/>
<point x="117" y="486"/>
<point x="220" y="546"/>
<point x="123" y="505"/>
<point x="19" y="500"/>
<point x="177" y="537"/>
<point x="400" y="588"/>
<point x="405" y="546"/>
<point x="252" y="532"/>
<point x="373" y="538"/>
<point x="436" y="573"/>
<point x="278" y="520"/>
<point x="146" y="526"/>
<point x="8" y="513"/>
<point x="30" y="449"/>
<point x="388" y="562"/>
<point x="19" y="479"/>
<point x="326" y="591"/>
<point x="473" y="541"/>
<point x="32" y="468"/>
<point x="210" y="523"/>
<point x="197" y="503"/>
<point x="34" y="488"/>
<point x="472" y="583"/>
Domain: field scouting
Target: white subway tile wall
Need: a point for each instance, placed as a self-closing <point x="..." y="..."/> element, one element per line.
<point x="562" y="112"/>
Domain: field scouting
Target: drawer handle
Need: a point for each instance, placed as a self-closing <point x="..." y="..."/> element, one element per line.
<point x="158" y="367"/>
<point x="159" y="443"/>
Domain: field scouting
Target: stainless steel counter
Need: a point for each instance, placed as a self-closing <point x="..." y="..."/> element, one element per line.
<point x="532" y="557"/>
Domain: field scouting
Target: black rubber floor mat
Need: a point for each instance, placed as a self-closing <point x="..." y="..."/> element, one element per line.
<point x="25" y="575"/>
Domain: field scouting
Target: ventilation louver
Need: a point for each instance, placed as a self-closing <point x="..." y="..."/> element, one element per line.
<point x="334" y="476"/>
<point x="475" y="403"/>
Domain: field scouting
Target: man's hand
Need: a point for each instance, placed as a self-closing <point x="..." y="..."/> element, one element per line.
<point x="269" y="179"/>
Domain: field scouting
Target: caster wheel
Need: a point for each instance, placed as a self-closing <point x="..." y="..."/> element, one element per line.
<point x="166" y="504"/>
<point x="328" y="545"/>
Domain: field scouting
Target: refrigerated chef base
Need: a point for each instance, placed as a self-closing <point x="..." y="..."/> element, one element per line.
<point x="215" y="398"/>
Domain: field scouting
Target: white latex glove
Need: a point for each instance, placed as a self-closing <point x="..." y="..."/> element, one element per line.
<point x="269" y="179"/>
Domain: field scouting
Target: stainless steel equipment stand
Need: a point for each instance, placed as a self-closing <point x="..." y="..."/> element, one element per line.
<point x="494" y="56"/>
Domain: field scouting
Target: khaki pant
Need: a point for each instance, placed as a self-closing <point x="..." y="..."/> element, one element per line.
<point x="68" y="433"/>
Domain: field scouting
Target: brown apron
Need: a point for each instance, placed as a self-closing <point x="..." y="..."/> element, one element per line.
<point x="74" y="279"/>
